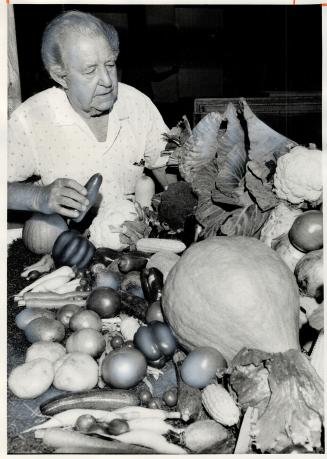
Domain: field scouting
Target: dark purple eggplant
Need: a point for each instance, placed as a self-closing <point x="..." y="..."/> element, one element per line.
<point x="152" y="284"/>
<point x="128" y="262"/>
<point x="92" y="186"/>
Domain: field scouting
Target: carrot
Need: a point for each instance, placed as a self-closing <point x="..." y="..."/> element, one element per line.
<point x="49" y="296"/>
<point x="50" y="304"/>
<point x="68" y="418"/>
<point x="54" y="295"/>
<point x="132" y="449"/>
<point x="134" y="412"/>
<point x="60" y="438"/>
<point x="150" y="439"/>
<point x="62" y="271"/>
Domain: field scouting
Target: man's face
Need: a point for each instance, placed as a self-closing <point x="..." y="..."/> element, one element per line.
<point x="92" y="84"/>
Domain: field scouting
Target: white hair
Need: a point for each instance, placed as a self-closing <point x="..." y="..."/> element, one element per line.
<point x="67" y="23"/>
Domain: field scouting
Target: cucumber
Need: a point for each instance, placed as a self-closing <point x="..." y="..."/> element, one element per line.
<point x="99" y="399"/>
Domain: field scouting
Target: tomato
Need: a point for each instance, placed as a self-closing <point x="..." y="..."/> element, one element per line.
<point x="85" y="319"/>
<point x="65" y="313"/>
<point x="145" y="396"/>
<point x="87" y="341"/>
<point x="306" y="233"/>
<point x="116" y="342"/>
<point x="170" y="397"/>
<point x="201" y="365"/>
<point x="107" y="279"/>
<point x="155" y="404"/>
<point x="123" y="368"/>
<point x="105" y="301"/>
<point x="85" y="422"/>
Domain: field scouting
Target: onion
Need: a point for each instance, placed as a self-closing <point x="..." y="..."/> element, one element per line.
<point x="309" y="273"/>
<point x="289" y="254"/>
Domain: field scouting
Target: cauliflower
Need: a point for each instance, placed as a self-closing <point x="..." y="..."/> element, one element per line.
<point x="107" y="227"/>
<point x="298" y="176"/>
<point x="279" y="222"/>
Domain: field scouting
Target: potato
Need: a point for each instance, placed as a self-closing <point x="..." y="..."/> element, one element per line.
<point x="45" y="350"/>
<point x="44" y="329"/>
<point x="75" y="372"/>
<point x="25" y="316"/>
<point x="31" y="379"/>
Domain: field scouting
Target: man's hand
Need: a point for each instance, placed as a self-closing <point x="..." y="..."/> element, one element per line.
<point x="63" y="196"/>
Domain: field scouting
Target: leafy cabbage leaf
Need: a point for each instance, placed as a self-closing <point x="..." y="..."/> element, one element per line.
<point x="288" y="393"/>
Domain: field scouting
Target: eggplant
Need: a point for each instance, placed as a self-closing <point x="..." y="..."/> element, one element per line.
<point x="152" y="284"/>
<point x="105" y="255"/>
<point x="128" y="262"/>
<point x="92" y="186"/>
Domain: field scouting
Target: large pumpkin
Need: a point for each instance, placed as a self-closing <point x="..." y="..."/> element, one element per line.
<point x="231" y="292"/>
<point x="41" y="231"/>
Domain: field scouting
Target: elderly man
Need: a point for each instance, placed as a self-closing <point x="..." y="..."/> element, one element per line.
<point x="89" y="124"/>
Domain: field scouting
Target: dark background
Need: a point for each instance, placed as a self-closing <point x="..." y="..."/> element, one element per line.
<point x="177" y="53"/>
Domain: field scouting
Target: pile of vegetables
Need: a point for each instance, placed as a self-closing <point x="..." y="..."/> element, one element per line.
<point x="179" y="325"/>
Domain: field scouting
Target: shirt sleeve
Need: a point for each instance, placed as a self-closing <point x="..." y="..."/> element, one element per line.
<point x="21" y="162"/>
<point x="154" y="143"/>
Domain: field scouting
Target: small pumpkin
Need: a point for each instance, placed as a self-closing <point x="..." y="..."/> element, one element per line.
<point x="41" y="231"/>
<point x="72" y="249"/>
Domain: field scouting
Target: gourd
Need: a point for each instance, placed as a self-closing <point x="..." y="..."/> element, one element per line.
<point x="220" y="405"/>
<point x="144" y="190"/>
<point x="200" y="436"/>
<point x="72" y="249"/>
<point x="41" y="230"/>
<point x="230" y="293"/>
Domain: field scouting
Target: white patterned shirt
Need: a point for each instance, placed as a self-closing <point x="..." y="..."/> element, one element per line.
<point x="46" y="137"/>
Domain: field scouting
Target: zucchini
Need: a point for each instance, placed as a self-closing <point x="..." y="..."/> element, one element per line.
<point x="99" y="399"/>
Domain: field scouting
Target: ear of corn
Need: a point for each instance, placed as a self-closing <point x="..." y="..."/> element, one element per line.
<point x="153" y="245"/>
<point x="220" y="405"/>
<point x="128" y="327"/>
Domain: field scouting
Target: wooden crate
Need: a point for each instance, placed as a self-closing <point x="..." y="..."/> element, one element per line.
<point x="298" y="116"/>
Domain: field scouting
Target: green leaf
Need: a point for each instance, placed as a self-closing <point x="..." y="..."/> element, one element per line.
<point x="232" y="171"/>
<point x="244" y="222"/>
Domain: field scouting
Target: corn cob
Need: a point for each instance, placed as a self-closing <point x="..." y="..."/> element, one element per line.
<point x="153" y="245"/>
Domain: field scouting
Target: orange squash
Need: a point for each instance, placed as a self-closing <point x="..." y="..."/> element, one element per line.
<point x="230" y="293"/>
